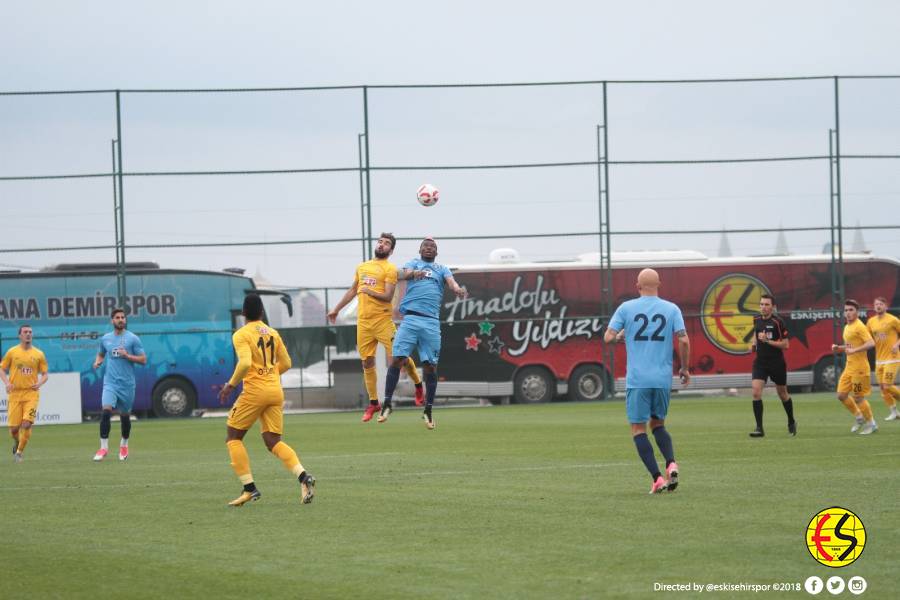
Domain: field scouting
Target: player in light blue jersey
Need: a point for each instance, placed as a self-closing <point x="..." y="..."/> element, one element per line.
<point x="649" y="325"/>
<point x="421" y="325"/>
<point x="124" y="350"/>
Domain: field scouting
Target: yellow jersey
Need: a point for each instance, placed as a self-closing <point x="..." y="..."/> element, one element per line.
<point x="885" y="330"/>
<point x="24" y="367"/>
<point x="855" y="335"/>
<point x="374" y="274"/>
<point x="262" y="358"/>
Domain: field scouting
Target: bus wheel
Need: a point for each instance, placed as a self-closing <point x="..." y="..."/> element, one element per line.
<point x="825" y="375"/>
<point x="173" y="397"/>
<point x="534" y="384"/>
<point x="588" y="382"/>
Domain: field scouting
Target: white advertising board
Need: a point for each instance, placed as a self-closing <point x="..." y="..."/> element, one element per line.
<point x="60" y="401"/>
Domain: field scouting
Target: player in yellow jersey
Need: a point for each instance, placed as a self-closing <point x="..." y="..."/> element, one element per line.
<point x="27" y="367"/>
<point x="262" y="358"/>
<point x="855" y="378"/>
<point x="374" y="283"/>
<point x="885" y="330"/>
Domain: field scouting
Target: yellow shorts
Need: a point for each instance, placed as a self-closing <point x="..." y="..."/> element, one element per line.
<point x="20" y="410"/>
<point x="886" y="373"/>
<point x="856" y="382"/>
<point x="369" y="335"/>
<point x="247" y="411"/>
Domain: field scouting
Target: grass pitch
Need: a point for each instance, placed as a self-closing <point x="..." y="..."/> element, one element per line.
<point x="545" y="501"/>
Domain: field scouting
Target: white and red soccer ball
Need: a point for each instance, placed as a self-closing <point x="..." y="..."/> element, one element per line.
<point x="427" y="194"/>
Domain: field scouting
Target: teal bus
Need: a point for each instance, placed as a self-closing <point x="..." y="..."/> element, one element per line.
<point x="184" y="318"/>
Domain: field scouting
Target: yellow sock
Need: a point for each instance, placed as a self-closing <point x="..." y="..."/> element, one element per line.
<point x="370" y="376"/>
<point x="24" y="436"/>
<point x="240" y="460"/>
<point x="851" y="406"/>
<point x="412" y="371"/>
<point x="866" y="410"/>
<point x="288" y="457"/>
<point x="895" y="392"/>
<point x="890" y="399"/>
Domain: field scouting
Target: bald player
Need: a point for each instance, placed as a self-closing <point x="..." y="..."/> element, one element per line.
<point x="649" y="326"/>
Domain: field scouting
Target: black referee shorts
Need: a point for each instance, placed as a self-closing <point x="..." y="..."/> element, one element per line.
<point x="777" y="372"/>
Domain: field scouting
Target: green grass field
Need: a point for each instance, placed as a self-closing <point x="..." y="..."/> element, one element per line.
<point x="545" y="501"/>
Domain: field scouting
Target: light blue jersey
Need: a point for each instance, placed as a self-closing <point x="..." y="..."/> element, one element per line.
<point x="649" y="323"/>
<point x="423" y="296"/>
<point x="119" y="376"/>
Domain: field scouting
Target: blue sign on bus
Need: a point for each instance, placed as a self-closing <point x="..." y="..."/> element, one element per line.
<point x="184" y="319"/>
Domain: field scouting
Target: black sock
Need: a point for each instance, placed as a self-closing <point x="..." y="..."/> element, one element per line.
<point x="390" y="383"/>
<point x="758" y="412"/>
<point x="645" y="451"/>
<point x="126" y="426"/>
<point x="430" y="388"/>
<point x="301" y="476"/>
<point x="664" y="443"/>
<point x="373" y="402"/>
<point x="789" y="409"/>
<point x="250" y="487"/>
<point x="104" y="424"/>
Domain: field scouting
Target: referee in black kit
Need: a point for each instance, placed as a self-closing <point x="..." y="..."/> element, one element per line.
<point x="770" y="340"/>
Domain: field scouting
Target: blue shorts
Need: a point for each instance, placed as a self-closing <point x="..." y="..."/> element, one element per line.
<point x="643" y="403"/>
<point x="422" y="333"/>
<point x="119" y="399"/>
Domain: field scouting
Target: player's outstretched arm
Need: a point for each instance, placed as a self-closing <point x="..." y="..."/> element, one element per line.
<point x="457" y="289"/>
<point x="344" y="301"/>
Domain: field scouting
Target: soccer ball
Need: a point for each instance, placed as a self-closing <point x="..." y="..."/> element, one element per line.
<point x="427" y="194"/>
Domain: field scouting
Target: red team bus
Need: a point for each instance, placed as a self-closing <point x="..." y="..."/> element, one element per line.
<point x="533" y="331"/>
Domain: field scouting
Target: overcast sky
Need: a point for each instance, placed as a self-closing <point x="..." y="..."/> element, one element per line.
<point x="154" y="45"/>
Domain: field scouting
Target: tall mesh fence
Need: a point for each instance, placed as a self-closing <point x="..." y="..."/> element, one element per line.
<point x="293" y="184"/>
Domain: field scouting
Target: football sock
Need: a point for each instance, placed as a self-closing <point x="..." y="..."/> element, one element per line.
<point x="370" y="376"/>
<point x="123" y="443"/>
<point x="15" y="436"/>
<point x="896" y="392"/>
<point x="890" y="396"/>
<point x="758" y="412"/>
<point x="664" y="443"/>
<point x="412" y="371"/>
<point x="866" y="409"/>
<point x="789" y="409"/>
<point x="240" y="461"/>
<point x="104" y="443"/>
<point x="390" y="382"/>
<point x="24" y="436"/>
<point x="250" y="487"/>
<point x="851" y="406"/>
<point x="645" y="451"/>
<point x="288" y="458"/>
<point x="104" y="424"/>
<point x="430" y="387"/>
<point x="126" y="427"/>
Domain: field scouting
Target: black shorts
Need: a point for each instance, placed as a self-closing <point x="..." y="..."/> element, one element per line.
<point x="777" y="372"/>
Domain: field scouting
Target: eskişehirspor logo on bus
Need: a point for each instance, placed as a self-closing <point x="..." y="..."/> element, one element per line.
<point x="727" y="310"/>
